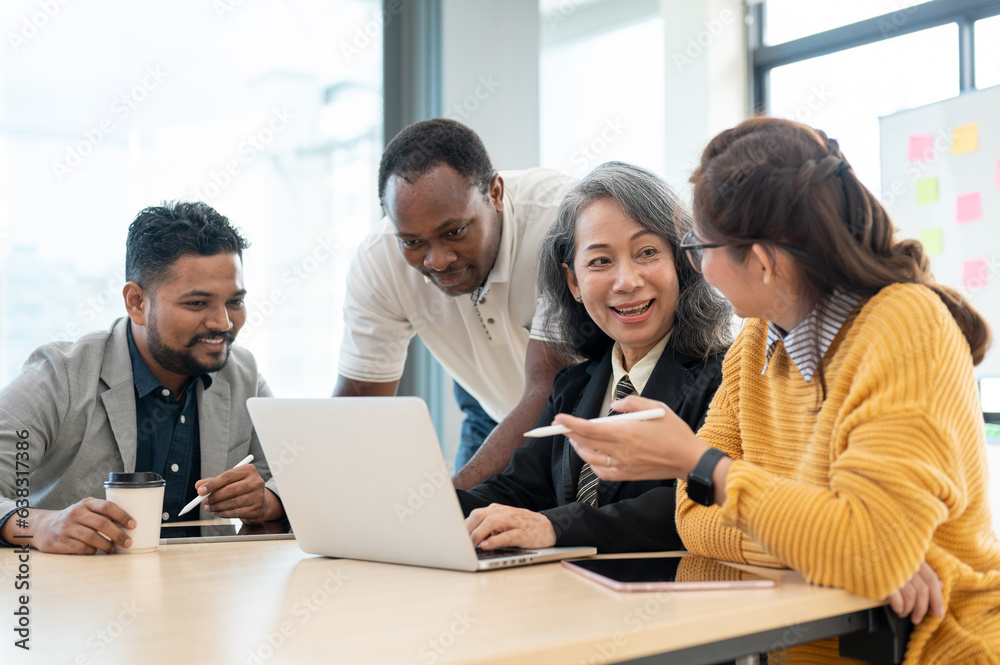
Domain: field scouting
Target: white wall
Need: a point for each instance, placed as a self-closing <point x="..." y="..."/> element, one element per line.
<point x="490" y="62"/>
<point x="490" y="83"/>
<point x="706" y="78"/>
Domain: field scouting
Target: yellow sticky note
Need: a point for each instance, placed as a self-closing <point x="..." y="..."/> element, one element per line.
<point x="932" y="240"/>
<point x="965" y="139"/>
<point x="927" y="191"/>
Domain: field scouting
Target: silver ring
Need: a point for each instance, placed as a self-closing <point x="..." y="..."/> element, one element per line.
<point x="609" y="462"/>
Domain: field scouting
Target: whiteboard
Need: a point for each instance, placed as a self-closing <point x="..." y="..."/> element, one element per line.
<point x="941" y="185"/>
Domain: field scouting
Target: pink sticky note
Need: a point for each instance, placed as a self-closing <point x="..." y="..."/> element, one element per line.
<point x="996" y="175"/>
<point x="975" y="274"/>
<point x="968" y="207"/>
<point x="921" y="148"/>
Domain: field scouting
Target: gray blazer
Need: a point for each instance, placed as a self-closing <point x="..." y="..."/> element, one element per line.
<point x="76" y="401"/>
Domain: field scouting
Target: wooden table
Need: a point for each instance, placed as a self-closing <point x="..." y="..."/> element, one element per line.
<point x="267" y="602"/>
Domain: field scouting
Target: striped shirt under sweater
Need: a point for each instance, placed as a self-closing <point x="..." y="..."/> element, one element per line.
<point x="857" y="489"/>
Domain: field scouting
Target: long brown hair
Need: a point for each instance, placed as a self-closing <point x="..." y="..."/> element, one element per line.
<point x="781" y="183"/>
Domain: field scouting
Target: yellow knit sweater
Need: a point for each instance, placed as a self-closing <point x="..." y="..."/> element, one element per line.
<point x="856" y="492"/>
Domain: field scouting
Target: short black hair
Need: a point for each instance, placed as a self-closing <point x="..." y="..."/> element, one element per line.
<point x="425" y="144"/>
<point x="160" y="235"/>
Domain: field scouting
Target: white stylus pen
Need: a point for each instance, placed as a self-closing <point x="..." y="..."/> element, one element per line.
<point x="552" y="430"/>
<point x="198" y="499"/>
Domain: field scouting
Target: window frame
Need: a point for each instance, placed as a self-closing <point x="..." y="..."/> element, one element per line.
<point x="763" y="58"/>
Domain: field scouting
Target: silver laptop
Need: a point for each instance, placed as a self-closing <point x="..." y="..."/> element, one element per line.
<point x="363" y="478"/>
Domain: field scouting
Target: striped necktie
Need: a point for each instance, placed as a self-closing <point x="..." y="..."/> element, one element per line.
<point x="587" y="487"/>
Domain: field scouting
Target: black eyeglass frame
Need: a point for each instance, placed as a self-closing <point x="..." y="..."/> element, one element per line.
<point x="694" y="250"/>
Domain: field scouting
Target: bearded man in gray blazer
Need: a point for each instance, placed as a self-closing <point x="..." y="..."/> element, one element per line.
<point x="162" y="390"/>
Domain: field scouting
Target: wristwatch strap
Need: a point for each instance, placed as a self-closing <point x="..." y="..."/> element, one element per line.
<point x="700" y="487"/>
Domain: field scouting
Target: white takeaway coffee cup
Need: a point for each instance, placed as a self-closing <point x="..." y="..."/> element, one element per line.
<point x="141" y="496"/>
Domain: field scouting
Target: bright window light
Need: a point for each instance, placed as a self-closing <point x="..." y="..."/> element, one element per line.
<point x="786" y="20"/>
<point x="269" y="112"/>
<point x="844" y="94"/>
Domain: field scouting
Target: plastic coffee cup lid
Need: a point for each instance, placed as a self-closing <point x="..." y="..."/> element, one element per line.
<point x="144" y="479"/>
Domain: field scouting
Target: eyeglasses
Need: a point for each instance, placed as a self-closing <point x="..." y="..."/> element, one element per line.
<point x="695" y="249"/>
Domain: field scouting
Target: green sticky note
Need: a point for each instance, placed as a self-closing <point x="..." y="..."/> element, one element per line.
<point x="932" y="240"/>
<point x="927" y="191"/>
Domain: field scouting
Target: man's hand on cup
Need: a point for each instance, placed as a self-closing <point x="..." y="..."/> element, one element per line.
<point x="85" y="527"/>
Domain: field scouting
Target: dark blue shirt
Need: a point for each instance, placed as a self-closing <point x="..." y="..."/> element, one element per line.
<point x="167" y="434"/>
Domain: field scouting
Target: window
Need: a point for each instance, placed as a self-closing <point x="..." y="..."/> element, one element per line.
<point x="988" y="52"/>
<point x="269" y="112"/>
<point x="842" y="68"/>
<point x="844" y="96"/>
<point x="793" y="19"/>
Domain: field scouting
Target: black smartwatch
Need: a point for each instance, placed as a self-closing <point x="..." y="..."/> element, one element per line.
<point x="700" y="487"/>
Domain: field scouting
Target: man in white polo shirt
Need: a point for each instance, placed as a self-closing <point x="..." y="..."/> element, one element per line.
<point x="455" y="261"/>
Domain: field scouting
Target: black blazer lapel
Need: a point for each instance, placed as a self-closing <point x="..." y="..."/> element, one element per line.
<point x="669" y="382"/>
<point x="587" y="406"/>
<point x="671" y="378"/>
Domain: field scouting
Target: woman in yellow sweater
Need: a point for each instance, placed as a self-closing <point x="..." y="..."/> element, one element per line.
<point x="846" y="440"/>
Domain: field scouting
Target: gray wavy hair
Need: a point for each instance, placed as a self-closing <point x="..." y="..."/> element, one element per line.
<point x="704" y="319"/>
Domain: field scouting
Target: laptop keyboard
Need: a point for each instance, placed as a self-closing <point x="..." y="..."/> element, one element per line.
<point x="502" y="551"/>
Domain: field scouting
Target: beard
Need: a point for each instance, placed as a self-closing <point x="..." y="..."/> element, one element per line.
<point x="183" y="361"/>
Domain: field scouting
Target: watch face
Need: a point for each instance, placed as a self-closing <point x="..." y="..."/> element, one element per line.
<point x="699" y="491"/>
